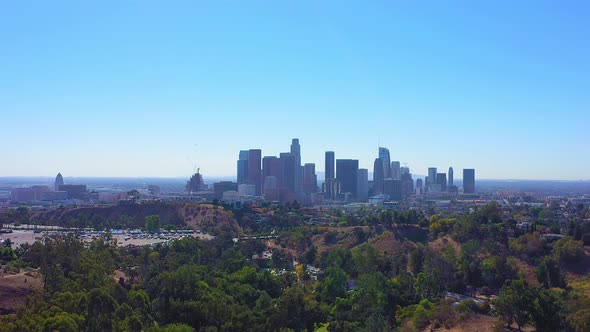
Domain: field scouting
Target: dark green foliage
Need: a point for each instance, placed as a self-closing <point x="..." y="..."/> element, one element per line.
<point x="152" y="224"/>
<point x="548" y="273"/>
<point x="568" y="250"/>
<point x="194" y="285"/>
<point x="523" y="304"/>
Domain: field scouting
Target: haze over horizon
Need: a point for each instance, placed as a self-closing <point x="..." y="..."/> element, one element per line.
<point x="147" y="89"/>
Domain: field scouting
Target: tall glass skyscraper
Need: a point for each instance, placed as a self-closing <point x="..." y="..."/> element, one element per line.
<point x="329" y="168"/>
<point x="386" y="160"/>
<point x="255" y="169"/>
<point x="450" y="177"/>
<point x="468" y="180"/>
<point x="243" y="166"/>
<point x="346" y="173"/>
<point x="396" y="173"/>
<point x="378" y="176"/>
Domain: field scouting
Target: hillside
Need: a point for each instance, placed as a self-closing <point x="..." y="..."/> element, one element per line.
<point x="207" y="217"/>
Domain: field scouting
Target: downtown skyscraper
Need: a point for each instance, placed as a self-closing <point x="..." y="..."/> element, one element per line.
<point x="469" y="181"/>
<point x="346" y="174"/>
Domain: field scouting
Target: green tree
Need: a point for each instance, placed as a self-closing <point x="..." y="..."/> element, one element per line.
<point x="515" y="303"/>
<point x="568" y="250"/>
<point x="152" y="223"/>
<point x="333" y="285"/>
<point x="548" y="311"/>
<point x="548" y="273"/>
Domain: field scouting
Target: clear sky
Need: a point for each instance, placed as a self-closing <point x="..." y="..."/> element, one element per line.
<point x="150" y="88"/>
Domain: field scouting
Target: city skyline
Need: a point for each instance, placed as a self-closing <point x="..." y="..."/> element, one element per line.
<point x="152" y="90"/>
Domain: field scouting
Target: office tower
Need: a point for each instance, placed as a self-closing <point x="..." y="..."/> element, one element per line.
<point x="270" y="183"/>
<point x="346" y="170"/>
<point x="39" y="191"/>
<point x="220" y="187"/>
<point x="468" y="180"/>
<point x="431" y="179"/>
<point x="243" y="166"/>
<point x="396" y="170"/>
<point x="270" y="188"/>
<point x="419" y="183"/>
<point x="289" y="171"/>
<point x="268" y="164"/>
<point x="272" y="166"/>
<point x="385" y="159"/>
<point x="441" y="179"/>
<point x="59" y="180"/>
<point x="296" y="151"/>
<point x="255" y="169"/>
<point x="378" y="177"/>
<point x="450" y="182"/>
<point x="407" y="184"/>
<point x="74" y="191"/>
<point x="22" y="195"/>
<point x="331" y="188"/>
<point x="393" y="188"/>
<point x="329" y="167"/>
<point x="310" y="179"/>
<point x="362" y="184"/>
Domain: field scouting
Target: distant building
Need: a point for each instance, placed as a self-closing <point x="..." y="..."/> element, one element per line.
<point x="195" y="183"/>
<point x="419" y="183"/>
<point x="270" y="188"/>
<point x="243" y="166"/>
<point x="441" y="179"/>
<point x="396" y="170"/>
<point x="331" y="188"/>
<point x="450" y="182"/>
<point x="469" y="181"/>
<point x="289" y="164"/>
<point x="23" y="195"/>
<point x="393" y="188"/>
<point x="329" y="165"/>
<point x="378" y="200"/>
<point x="296" y="151"/>
<point x="220" y="187"/>
<point x="39" y="190"/>
<point x="310" y="179"/>
<point x="255" y="169"/>
<point x="112" y="197"/>
<point x="54" y="196"/>
<point x="230" y="196"/>
<point x="59" y="180"/>
<point x="386" y="160"/>
<point x="407" y="184"/>
<point x="268" y="164"/>
<point x="346" y="174"/>
<point x="378" y="177"/>
<point x="247" y="189"/>
<point x="362" y="185"/>
<point x="74" y="191"/>
<point x="431" y="178"/>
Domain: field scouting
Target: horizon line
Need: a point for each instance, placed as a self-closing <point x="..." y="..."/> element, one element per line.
<point x="233" y="176"/>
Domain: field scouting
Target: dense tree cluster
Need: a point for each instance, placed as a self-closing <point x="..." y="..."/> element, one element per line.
<point x="217" y="285"/>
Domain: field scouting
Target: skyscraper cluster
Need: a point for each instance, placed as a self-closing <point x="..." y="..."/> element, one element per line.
<point x="281" y="178"/>
<point x="389" y="178"/>
<point x="444" y="182"/>
<point x="284" y="178"/>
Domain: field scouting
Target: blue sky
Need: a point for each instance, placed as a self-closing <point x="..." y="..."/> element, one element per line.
<point x="149" y="88"/>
